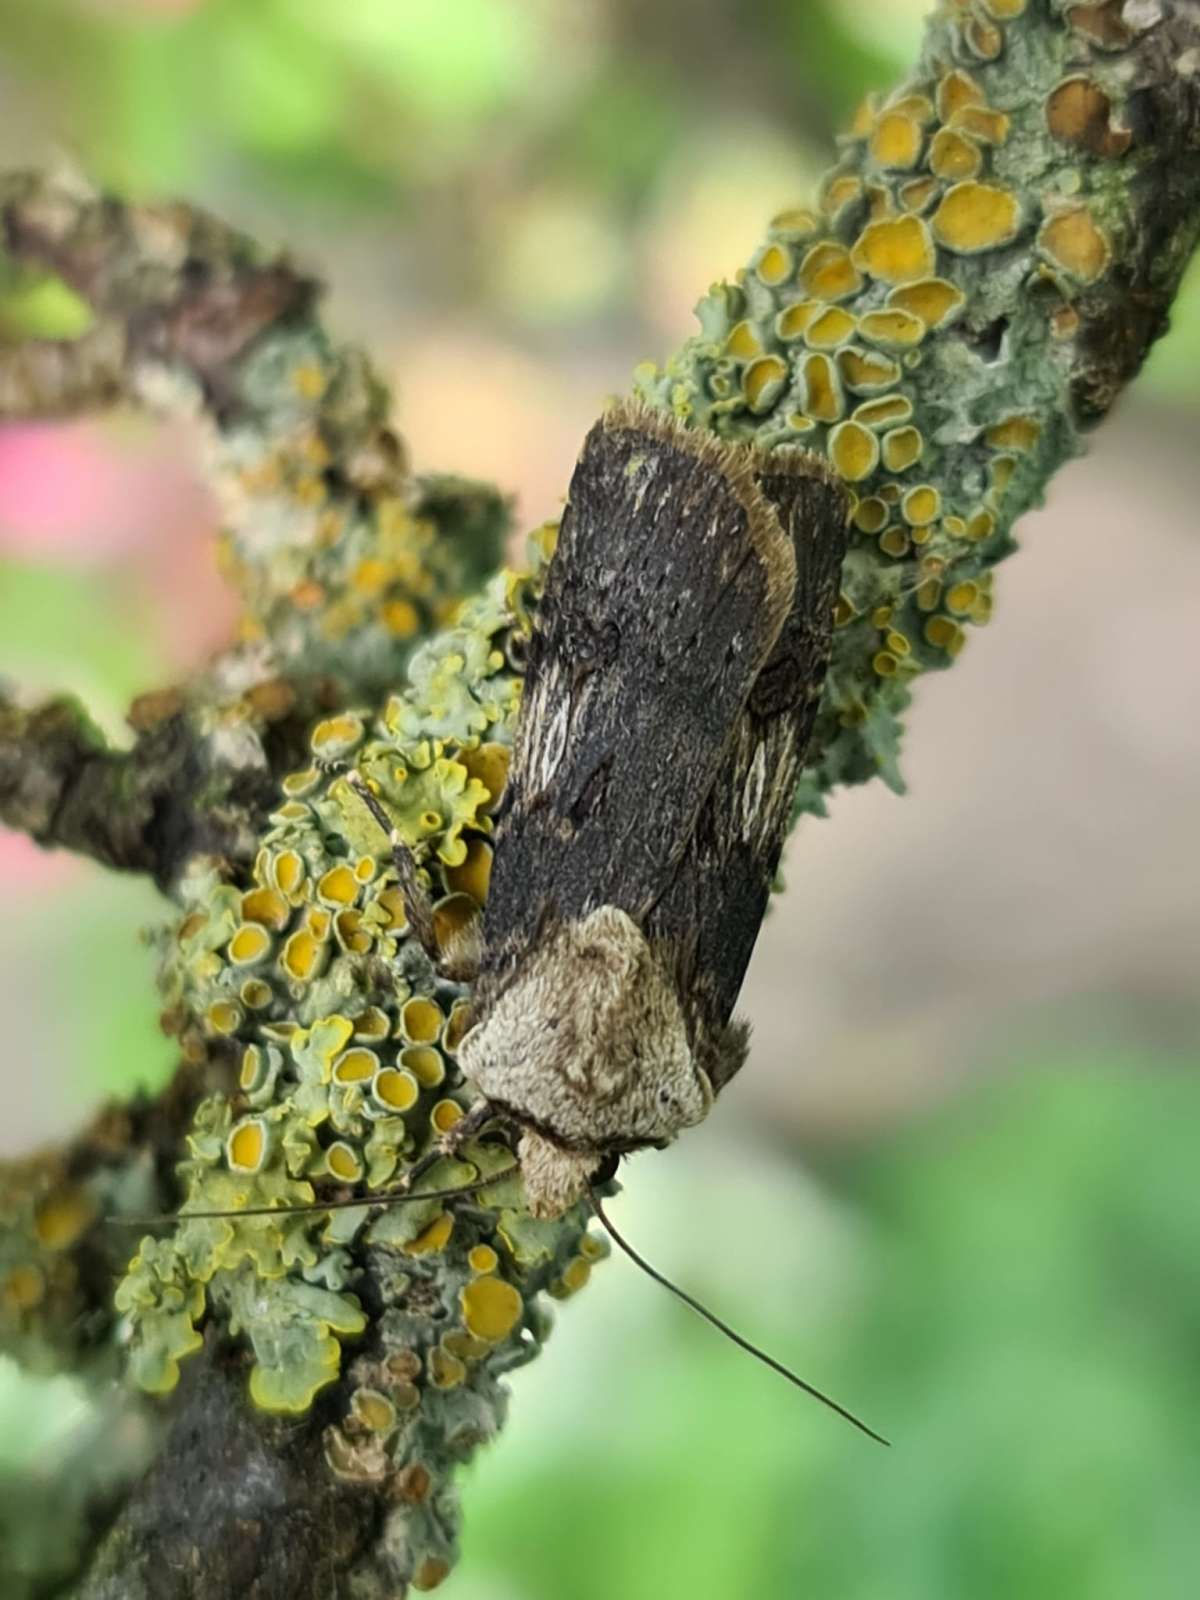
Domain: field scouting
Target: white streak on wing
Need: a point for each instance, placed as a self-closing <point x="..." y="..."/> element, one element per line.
<point x="752" y="794"/>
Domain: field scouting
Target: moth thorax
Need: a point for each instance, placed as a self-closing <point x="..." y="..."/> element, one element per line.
<point x="554" y="1178"/>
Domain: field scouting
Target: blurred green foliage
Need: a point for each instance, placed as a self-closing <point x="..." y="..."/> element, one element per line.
<point x="1027" y="1337"/>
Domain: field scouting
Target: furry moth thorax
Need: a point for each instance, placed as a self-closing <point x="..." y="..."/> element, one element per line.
<point x="586" y="1050"/>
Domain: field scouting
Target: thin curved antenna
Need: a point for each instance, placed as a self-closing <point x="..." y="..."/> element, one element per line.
<point x="385" y="1197"/>
<point x="723" y="1327"/>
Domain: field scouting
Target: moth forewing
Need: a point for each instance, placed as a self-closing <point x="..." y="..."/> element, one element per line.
<point x="642" y="775"/>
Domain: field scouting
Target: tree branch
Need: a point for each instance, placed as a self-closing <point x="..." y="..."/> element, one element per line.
<point x="991" y="258"/>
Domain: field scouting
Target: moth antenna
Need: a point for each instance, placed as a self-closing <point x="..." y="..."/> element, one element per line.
<point x="386" y="1197"/>
<point x="723" y="1327"/>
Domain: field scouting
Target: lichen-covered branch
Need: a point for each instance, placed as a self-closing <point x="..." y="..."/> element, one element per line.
<point x="987" y="266"/>
<point x="989" y="261"/>
<point x="341" y="559"/>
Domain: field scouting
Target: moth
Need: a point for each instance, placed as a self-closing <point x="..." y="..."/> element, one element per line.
<point x="673" y="676"/>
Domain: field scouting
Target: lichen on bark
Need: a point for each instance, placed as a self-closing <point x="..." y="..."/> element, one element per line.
<point x="985" y="267"/>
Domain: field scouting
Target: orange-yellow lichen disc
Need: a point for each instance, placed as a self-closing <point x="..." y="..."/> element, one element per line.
<point x="843" y="612"/>
<point x="744" y="342"/>
<point x="871" y="515"/>
<point x="1078" y="112"/>
<point x="894" y="329"/>
<point x="473" y="873"/>
<point x="318" y="922"/>
<point x="1072" y="241"/>
<point x="885" y="664"/>
<point x="827" y="272"/>
<point x="338" y="887"/>
<point x="917" y="193"/>
<point x="421" y="1020"/>
<point x="289" y="871"/>
<point x="1014" y="433"/>
<point x="894" y="542"/>
<point x="962" y="597"/>
<point x="793" y="320"/>
<point x="797" y="422"/>
<point x="928" y="595"/>
<point x="433" y="1238"/>
<point x="886" y="412"/>
<point x="919" y="106"/>
<point x="62" y="1217"/>
<point x="351" y="935"/>
<point x="775" y="265"/>
<point x="357" y="1065"/>
<point x="373" y="1023"/>
<point x="954" y="155"/>
<point x="854" y="451"/>
<point x="984" y="39"/>
<point x="957" y="89"/>
<point x="246" y="1146"/>
<point x="1000" y="471"/>
<point x="982" y="122"/>
<point x="934" y="300"/>
<point x="249" y="944"/>
<point x="1002" y="10"/>
<point x="445" y="1115"/>
<point x="981" y="526"/>
<point x="338" y="734"/>
<point x="898" y="643"/>
<point x="297" y="784"/>
<point x="1103" y="24"/>
<point x="890" y="492"/>
<point x="23" y="1288"/>
<point x="902" y="448"/>
<point x="796" y="222"/>
<point x="920" y="505"/>
<point x="253" y="1067"/>
<point x="867" y="372"/>
<point x="425" y="1064"/>
<point x="488" y="763"/>
<point x="943" y="632"/>
<point x="896" y="141"/>
<point x="576" y="1274"/>
<point x="374" y="1410"/>
<point x="482" y="1258"/>
<point x="976" y="216"/>
<point x="456" y="1026"/>
<point x="491" y="1308"/>
<point x="832" y="327"/>
<point x="396" y="1090"/>
<point x="344" y="1162"/>
<point x="224" y="1017"/>
<point x="842" y="189"/>
<point x="764" y="381"/>
<point x="822" y="391"/>
<point x="895" y="250"/>
<point x="446" y="1370"/>
<point x="400" y="617"/>
<point x="267" y="906"/>
<point x="391" y="902"/>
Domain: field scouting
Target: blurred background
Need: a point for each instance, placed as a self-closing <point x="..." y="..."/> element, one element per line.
<point x="955" y="1183"/>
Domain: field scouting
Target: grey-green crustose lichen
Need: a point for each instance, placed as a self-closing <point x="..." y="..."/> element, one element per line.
<point x="920" y="326"/>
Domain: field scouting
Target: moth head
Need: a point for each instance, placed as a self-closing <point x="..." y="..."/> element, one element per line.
<point x="585" y="1048"/>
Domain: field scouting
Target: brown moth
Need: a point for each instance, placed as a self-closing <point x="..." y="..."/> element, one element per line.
<point x="673" y="676"/>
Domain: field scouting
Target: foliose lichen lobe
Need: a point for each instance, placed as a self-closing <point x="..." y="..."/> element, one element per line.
<point x="941" y="325"/>
<point x="345" y="1042"/>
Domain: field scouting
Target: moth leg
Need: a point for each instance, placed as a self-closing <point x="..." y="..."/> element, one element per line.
<point x="451" y="1142"/>
<point x="459" y="959"/>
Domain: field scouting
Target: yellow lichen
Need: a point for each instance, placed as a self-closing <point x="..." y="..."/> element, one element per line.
<point x="827" y="272"/>
<point x="395" y="1090"/>
<point x="902" y="448"/>
<point x="491" y="1308"/>
<point x="775" y="265"/>
<point x="894" y="328"/>
<point x="764" y="382"/>
<point x="867" y="371"/>
<point x="954" y="155"/>
<point x="1072" y="241"/>
<point x="934" y="300"/>
<point x="854" y="451"/>
<point x="896" y="250"/>
<point x="246" y="1147"/>
<point x="830" y="328"/>
<point x="976" y="216"/>
<point x="896" y="140"/>
<point x="822" y="391"/>
<point x="432" y="1239"/>
<point x="792" y="322"/>
<point x="920" y="505"/>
